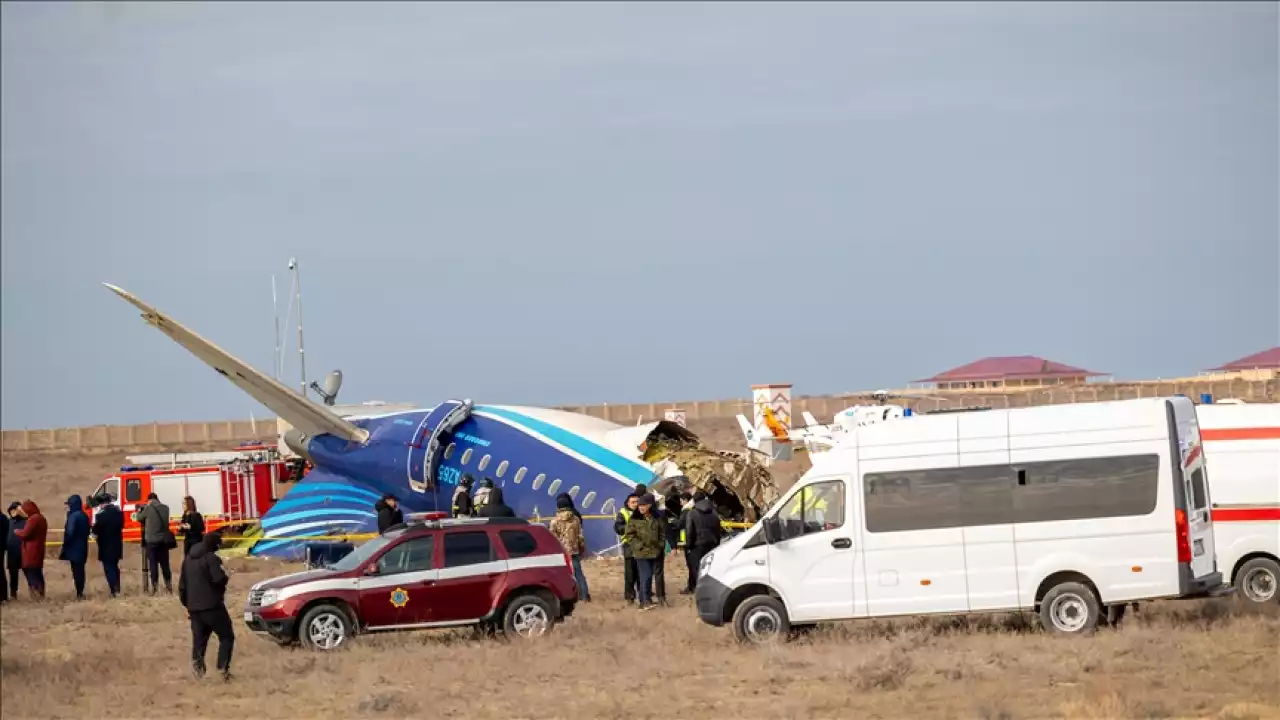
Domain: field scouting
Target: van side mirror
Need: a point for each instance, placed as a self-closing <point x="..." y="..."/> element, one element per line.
<point x="772" y="530"/>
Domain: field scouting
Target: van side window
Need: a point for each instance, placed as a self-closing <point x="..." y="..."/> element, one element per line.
<point x="133" y="490"/>
<point x="1003" y="494"/>
<point x="1198" y="495"/>
<point x="467" y="548"/>
<point x="409" y="556"/>
<point x="816" y="508"/>
<point x="1088" y="488"/>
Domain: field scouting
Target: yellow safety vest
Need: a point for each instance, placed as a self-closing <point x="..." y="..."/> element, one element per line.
<point x="626" y="517"/>
<point x="804" y="501"/>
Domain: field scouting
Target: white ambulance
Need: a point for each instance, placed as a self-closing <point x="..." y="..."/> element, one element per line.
<point x="1242" y="450"/>
<point x="1074" y="511"/>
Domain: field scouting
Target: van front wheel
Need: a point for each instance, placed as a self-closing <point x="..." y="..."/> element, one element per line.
<point x="1070" y="609"/>
<point x="761" y="620"/>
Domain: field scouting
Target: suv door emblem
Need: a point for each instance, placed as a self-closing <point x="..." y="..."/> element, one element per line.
<point x="399" y="597"/>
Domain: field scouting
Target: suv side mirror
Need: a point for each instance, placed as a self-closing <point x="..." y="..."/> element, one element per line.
<point x="772" y="530"/>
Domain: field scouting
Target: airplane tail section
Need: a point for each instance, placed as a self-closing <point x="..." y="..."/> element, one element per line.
<point x="809" y="419"/>
<point x="308" y="417"/>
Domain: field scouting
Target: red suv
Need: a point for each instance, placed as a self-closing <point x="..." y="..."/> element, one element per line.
<point x="495" y="573"/>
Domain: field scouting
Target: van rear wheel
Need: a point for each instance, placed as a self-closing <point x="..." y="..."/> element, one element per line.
<point x="761" y="620"/>
<point x="1070" y="608"/>
<point x="1256" y="581"/>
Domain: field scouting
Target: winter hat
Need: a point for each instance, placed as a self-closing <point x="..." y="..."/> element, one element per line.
<point x="646" y="499"/>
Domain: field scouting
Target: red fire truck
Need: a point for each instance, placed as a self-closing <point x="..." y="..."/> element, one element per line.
<point x="230" y="488"/>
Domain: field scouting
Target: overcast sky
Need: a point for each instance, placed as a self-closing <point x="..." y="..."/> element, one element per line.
<point x="579" y="203"/>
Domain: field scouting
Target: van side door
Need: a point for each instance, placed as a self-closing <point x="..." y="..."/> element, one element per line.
<point x="813" y="564"/>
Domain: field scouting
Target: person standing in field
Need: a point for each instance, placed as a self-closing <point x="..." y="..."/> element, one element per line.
<point x="191" y="525"/>
<point x="202" y="589"/>
<point x="567" y="527"/>
<point x="75" y="542"/>
<point x="647" y="538"/>
<point x="33" y="535"/>
<point x="702" y="533"/>
<point x="462" y="506"/>
<point x="4" y="533"/>
<point x="13" y="547"/>
<point x="629" y="574"/>
<point x="108" y="530"/>
<point x="389" y="514"/>
<point x="154" y="517"/>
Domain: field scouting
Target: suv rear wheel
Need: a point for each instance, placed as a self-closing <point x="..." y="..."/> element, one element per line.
<point x="527" y="616"/>
<point x="324" y="627"/>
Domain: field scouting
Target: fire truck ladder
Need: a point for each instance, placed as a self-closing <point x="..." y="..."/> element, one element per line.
<point x="235" y="493"/>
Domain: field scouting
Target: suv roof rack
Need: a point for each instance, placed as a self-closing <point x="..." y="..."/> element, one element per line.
<point x="456" y="522"/>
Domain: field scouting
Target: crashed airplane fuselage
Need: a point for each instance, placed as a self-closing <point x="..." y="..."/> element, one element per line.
<point x="419" y="456"/>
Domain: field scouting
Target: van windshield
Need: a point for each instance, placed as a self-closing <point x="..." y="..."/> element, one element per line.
<point x="362" y="553"/>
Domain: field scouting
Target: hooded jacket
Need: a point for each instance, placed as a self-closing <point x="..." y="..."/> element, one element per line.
<point x="108" y="529"/>
<point x="388" y="517"/>
<point x="564" y="501"/>
<point x="567" y="527"/>
<point x="75" y="536"/>
<point x="13" y="543"/>
<point x="33" y="536"/>
<point x="702" y="525"/>
<point x="495" y="507"/>
<point x="202" y="583"/>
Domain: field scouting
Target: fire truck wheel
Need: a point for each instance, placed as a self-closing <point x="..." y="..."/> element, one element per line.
<point x="324" y="627"/>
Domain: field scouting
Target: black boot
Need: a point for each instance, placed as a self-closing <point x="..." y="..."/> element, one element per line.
<point x="197" y="670"/>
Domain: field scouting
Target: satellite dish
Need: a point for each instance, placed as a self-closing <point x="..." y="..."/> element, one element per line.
<point x="332" y="384"/>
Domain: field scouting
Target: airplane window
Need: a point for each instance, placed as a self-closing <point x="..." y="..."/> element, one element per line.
<point x="609" y="507"/>
<point x="448" y="452"/>
<point x="555" y="485"/>
<point x="502" y="468"/>
<point x="520" y="474"/>
<point x="466" y="456"/>
<point x="586" y="501"/>
<point x="573" y="492"/>
<point x="537" y="481"/>
<point x="484" y="463"/>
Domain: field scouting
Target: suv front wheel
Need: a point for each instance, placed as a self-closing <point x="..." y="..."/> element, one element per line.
<point x="324" y="627"/>
<point x="528" y="616"/>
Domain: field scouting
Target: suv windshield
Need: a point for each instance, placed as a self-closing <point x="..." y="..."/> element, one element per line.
<point x="362" y="553"/>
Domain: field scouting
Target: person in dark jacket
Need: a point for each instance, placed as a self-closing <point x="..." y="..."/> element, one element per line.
<point x="191" y="526"/>
<point x="4" y="533"/>
<point x="108" y="531"/>
<point x="75" y="542"/>
<point x="33" y="535"/>
<point x="647" y="538"/>
<point x="202" y="589"/>
<point x="702" y="533"/>
<point x="13" y="548"/>
<point x="389" y="515"/>
<point x="496" y="507"/>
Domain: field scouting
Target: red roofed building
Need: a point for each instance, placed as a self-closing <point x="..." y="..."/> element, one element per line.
<point x="1022" y="371"/>
<point x="1258" y="366"/>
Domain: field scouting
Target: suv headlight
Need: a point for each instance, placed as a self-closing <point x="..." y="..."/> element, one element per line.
<point x="270" y="597"/>
<point x="705" y="565"/>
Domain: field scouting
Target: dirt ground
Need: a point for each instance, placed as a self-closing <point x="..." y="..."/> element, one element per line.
<point x="129" y="657"/>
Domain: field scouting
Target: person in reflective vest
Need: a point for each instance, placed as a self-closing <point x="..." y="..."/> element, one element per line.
<point x="462" y="506"/>
<point x="482" y="495"/>
<point x="630" y="575"/>
<point x="810" y="506"/>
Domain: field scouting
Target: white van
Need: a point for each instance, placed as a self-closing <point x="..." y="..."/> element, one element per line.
<point x="1074" y="511"/>
<point x="1242" y="451"/>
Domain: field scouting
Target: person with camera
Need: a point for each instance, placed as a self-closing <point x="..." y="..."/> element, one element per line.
<point x="158" y="541"/>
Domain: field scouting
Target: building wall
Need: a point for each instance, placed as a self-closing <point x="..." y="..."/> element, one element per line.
<point x="121" y="437"/>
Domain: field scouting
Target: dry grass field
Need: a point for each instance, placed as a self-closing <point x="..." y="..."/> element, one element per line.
<point x="128" y="657"/>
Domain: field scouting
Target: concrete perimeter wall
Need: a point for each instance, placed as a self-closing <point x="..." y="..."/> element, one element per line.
<point x="121" y="437"/>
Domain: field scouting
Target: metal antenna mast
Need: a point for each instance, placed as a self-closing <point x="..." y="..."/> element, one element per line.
<point x="302" y="360"/>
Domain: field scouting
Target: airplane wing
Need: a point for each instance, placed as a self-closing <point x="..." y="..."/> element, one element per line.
<point x="308" y="417"/>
